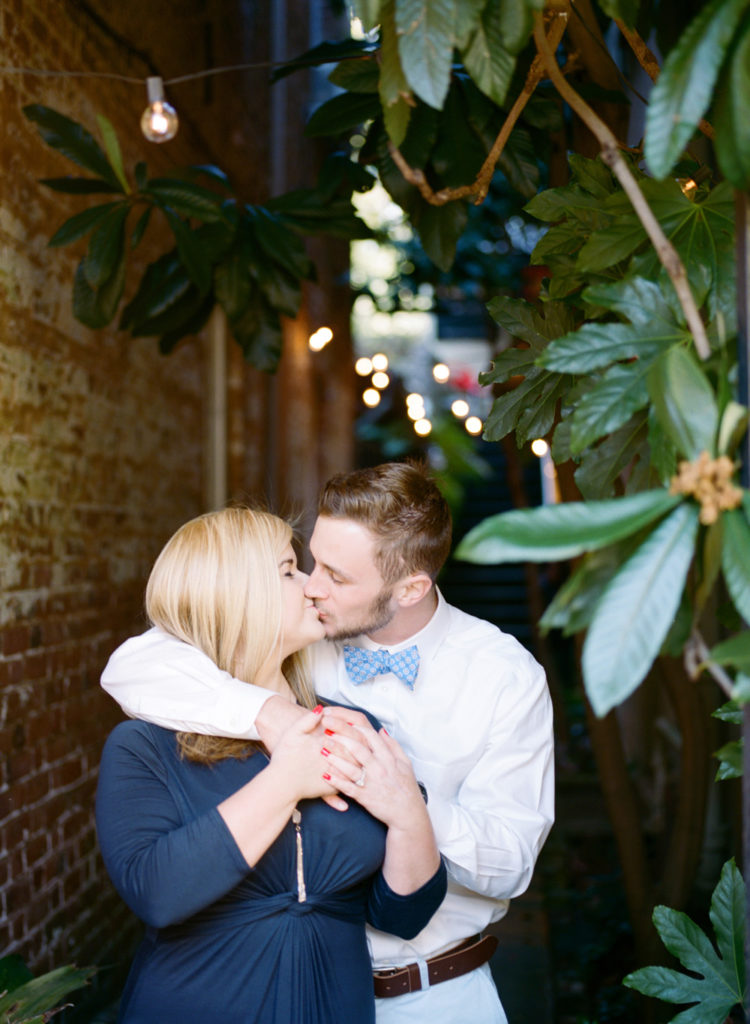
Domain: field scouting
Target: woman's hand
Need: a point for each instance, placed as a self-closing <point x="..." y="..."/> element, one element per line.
<point x="297" y="762"/>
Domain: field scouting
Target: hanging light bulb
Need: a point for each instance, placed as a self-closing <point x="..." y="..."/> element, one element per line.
<point x="380" y="380"/>
<point x="371" y="397"/>
<point x="159" y="122"/>
<point x="320" y="339"/>
<point x="380" y="361"/>
<point x="441" y="372"/>
<point x="363" y="366"/>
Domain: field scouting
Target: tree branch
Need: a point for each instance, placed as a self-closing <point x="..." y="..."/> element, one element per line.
<point x="480" y="186"/>
<point x="697" y="657"/>
<point x="612" y="157"/>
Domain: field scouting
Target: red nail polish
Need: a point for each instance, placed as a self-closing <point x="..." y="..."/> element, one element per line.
<point x="325" y="752"/>
<point x="317" y="709"/>
<point x="329" y="732"/>
<point x="326" y="776"/>
<point x="385" y="730"/>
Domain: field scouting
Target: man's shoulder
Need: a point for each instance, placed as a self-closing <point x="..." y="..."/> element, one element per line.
<point x="478" y="635"/>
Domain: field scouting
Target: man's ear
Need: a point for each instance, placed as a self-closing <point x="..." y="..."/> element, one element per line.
<point x="410" y="590"/>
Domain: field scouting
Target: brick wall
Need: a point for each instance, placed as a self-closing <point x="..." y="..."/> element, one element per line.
<point x="102" y="439"/>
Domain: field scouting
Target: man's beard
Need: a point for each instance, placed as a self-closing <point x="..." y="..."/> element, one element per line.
<point x="378" y="615"/>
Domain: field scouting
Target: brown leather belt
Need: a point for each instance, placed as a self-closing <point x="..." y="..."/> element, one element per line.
<point x="467" y="956"/>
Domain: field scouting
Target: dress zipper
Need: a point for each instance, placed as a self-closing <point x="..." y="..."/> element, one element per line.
<point x="301" y="890"/>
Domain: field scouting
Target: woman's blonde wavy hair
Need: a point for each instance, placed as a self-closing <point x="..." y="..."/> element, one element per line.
<point x="216" y="585"/>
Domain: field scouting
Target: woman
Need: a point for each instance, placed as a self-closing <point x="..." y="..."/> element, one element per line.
<point x="254" y="891"/>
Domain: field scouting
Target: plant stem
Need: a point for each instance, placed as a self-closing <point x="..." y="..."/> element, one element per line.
<point x="610" y="153"/>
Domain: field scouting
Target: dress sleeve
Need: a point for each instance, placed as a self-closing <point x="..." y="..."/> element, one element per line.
<point x="160" y="679"/>
<point x="405" y="916"/>
<point x="166" y="870"/>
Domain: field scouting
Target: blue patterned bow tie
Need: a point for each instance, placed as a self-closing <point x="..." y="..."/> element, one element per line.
<point x="362" y="664"/>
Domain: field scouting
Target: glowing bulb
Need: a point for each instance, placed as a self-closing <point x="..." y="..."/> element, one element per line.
<point x="159" y="122"/>
<point x="363" y="366"/>
<point x="320" y="338"/>
<point x="460" y="408"/>
<point x="441" y="373"/>
<point x="422" y="427"/>
<point x="473" y="424"/>
<point x="539" y="447"/>
<point x="414" y="399"/>
<point x="415" y="412"/>
<point x="371" y="397"/>
<point x="380" y="380"/>
<point x="380" y="361"/>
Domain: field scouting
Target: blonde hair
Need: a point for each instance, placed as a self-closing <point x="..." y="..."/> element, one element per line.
<point x="216" y="586"/>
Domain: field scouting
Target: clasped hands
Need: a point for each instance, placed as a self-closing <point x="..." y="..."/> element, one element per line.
<point x="333" y="751"/>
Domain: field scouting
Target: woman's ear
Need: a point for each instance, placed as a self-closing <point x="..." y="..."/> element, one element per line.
<point x="412" y="589"/>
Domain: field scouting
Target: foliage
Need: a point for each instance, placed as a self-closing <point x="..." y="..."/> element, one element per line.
<point x="249" y="259"/>
<point x="716" y="982"/>
<point x="25" y="999"/>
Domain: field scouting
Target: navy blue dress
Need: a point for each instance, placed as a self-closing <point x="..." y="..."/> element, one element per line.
<point x="225" y="942"/>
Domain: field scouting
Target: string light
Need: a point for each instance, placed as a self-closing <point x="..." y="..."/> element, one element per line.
<point x="320" y="338"/>
<point x="363" y="366"/>
<point x="380" y="380"/>
<point x="159" y="121"/>
<point x="473" y="424"/>
<point x="380" y="361"/>
<point x="414" y="398"/>
<point x="422" y="427"/>
<point x="460" y="408"/>
<point x="441" y="373"/>
<point x="539" y="447"/>
<point x="371" y="397"/>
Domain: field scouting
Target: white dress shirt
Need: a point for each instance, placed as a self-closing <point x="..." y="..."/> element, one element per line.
<point x="477" y="727"/>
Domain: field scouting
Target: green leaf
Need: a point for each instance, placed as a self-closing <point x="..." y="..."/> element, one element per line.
<point x="278" y="243"/>
<point x="518" y="162"/>
<point x="598" y="344"/>
<point x="486" y="57"/>
<point x="602" y="466"/>
<point x="164" y="283"/>
<point x="73" y="141"/>
<point x="730" y="757"/>
<point x="684" y="402"/>
<point x="552" y="533"/>
<point x="106" y="246"/>
<point x="259" y="336"/>
<point x="325" y="53"/>
<point x="392" y="85"/>
<point x="682" y="93"/>
<point x="13" y="972"/>
<point x="81" y="223"/>
<point x="191" y="252"/>
<point x="112" y="146"/>
<point x="342" y="113"/>
<point x="735" y="560"/>
<point x="360" y="74"/>
<point x="193" y="319"/>
<point x="574" y="603"/>
<point x="732" y="140"/>
<point x="734" y="651"/>
<point x="96" y="307"/>
<point x="516" y="20"/>
<point x="426" y="37"/>
<point x="637" y="609"/>
<point x="529" y="408"/>
<point x="439" y="229"/>
<point x="79" y="186"/>
<point x="45" y="992"/>
<point x="609" y="404"/>
<point x="368" y="11"/>
<point x="732" y="428"/>
<point x="140" y="228"/>
<point x="468" y="13"/>
<point x="185" y="198"/>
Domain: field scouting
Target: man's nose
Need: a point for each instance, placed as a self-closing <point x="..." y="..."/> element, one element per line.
<point x="314" y="588"/>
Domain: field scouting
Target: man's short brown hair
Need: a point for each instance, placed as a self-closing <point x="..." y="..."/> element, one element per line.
<point x="400" y="503"/>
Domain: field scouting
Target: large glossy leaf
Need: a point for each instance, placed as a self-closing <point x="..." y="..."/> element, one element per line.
<point x="516" y="19"/>
<point x="45" y="992"/>
<point x="342" y="113"/>
<point x="735" y="560"/>
<point x="258" y="334"/>
<point x="96" y="307"/>
<point x="185" y="198"/>
<point x="556" y="532"/>
<point x="164" y="283"/>
<point x="637" y="609"/>
<point x="730" y="118"/>
<point x="326" y="52"/>
<point x="392" y="84"/>
<point x="358" y="75"/>
<point x="194" y="320"/>
<point x="426" y="37"/>
<point x="278" y="243"/>
<point x="81" y="223"/>
<point x="114" y="153"/>
<point x="734" y="651"/>
<point x="467" y="18"/>
<point x="598" y="344"/>
<point x="684" y="402"/>
<point x="602" y="466"/>
<point x="637" y="299"/>
<point x="610" y="403"/>
<point x="683" y="90"/>
<point x="440" y="228"/>
<point x="486" y="56"/>
<point x="529" y="408"/>
<point x="574" y="603"/>
<point x="106" y="246"/>
<point x="191" y="252"/>
<point x="716" y="983"/>
<point x="73" y="141"/>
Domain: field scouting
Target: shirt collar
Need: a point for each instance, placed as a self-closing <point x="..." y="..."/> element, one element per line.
<point x="428" y="639"/>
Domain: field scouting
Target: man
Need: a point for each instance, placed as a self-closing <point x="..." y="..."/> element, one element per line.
<point x="467" y="702"/>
